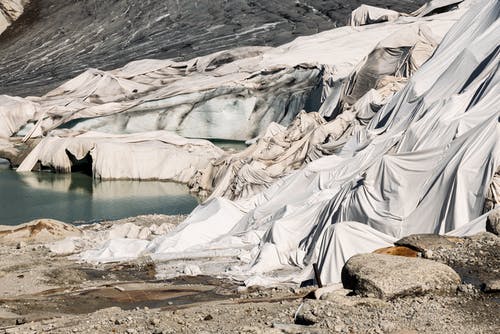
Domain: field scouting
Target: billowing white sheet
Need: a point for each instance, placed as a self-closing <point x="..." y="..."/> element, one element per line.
<point x="422" y="165"/>
<point x="158" y="155"/>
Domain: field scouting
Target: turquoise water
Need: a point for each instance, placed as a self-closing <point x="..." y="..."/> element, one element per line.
<point x="77" y="198"/>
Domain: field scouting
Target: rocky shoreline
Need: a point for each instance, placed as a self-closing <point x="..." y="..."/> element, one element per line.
<point x="42" y="292"/>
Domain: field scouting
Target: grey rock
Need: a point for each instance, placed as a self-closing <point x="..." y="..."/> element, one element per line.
<point x="333" y="288"/>
<point x="427" y="242"/>
<point x="307" y="313"/>
<point x="388" y="277"/>
<point x="466" y="288"/>
<point x="298" y="329"/>
<point x="339" y="328"/>
<point x="493" y="222"/>
<point x="492" y="285"/>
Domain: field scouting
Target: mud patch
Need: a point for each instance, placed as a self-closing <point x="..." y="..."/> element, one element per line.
<point x="127" y="296"/>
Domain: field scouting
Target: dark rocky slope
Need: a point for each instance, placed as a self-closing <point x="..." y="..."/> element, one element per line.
<point x="55" y="40"/>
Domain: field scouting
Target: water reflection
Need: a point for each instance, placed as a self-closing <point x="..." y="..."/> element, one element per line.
<point x="83" y="184"/>
<point x="77" y="197"/>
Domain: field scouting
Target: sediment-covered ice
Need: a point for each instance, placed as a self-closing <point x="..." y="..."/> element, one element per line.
<point x="423" y="164"/>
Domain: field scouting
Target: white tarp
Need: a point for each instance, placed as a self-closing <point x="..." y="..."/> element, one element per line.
<point x="422" y="165"/>
<point x="247" y="88"/>
<point x="15" y="112"/>
<point x="158" y="155"/>
<point x="374" y="81"/>
<point x="365" y="14"/>
<point x="435" y="5"/>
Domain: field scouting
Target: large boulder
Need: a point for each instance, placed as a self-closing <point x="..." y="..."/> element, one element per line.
<point x="387" y="277"/>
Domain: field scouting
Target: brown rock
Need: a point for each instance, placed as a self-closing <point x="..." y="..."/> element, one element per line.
<point x="40" y="230"/>
<point x="397" y="251"/>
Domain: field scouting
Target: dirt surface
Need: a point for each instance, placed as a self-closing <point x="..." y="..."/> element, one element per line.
<point x="55" y="40"/>
<point x="44" y="293"/>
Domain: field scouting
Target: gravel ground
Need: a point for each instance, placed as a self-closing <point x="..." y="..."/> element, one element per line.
<point x="44" y="293"/>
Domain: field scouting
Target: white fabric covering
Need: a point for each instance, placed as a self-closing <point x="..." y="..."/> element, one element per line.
<point x="434" y="5"/>
<point x="374" y="81"/>
<point x="422" y="165"/>
<point x="365" y="14"/>
<point x="15" y="112"/>
<point x="248" y="88"/>
<point x="159" y="155"/>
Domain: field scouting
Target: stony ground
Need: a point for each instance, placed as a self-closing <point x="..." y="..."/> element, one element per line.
<point x="44" y="293"/>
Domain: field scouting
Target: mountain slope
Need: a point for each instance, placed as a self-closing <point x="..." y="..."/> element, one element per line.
<point x="55" y="40"/>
